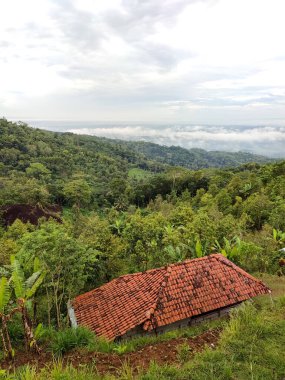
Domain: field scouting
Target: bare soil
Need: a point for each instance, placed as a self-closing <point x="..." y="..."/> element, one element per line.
<point x="161" y="353"/>
<point x="29" y="213"/>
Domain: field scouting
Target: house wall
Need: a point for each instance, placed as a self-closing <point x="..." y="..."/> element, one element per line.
<point x="182" y="323"/>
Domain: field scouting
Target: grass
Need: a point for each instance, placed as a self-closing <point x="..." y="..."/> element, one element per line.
<point x="275" y="283"/>
<point x="54" y="371"/>
<point x="130" y="345"/>
<point x="63" y="341"/>
<point x="251" y="347"/>
<point x="183" y="352"/>
<point x="60" y="342"/>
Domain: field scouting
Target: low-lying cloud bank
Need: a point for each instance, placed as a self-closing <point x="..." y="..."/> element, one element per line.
<point x="269" y="141"/>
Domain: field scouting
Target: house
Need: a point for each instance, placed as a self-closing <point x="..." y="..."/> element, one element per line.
<point x="165" y="298"/>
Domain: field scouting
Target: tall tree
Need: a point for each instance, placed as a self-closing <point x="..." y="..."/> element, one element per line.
<point x="65" y="260"/>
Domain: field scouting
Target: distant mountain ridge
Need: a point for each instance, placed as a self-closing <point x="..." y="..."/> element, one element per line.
<point x="55" y="167"/>
<point x="21" y="144"/>
<point x="193" y="158"/>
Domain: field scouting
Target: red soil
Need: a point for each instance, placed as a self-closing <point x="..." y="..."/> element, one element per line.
<point x="161" y="353"/>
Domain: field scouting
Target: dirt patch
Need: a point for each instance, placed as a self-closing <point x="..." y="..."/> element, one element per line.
<point x="162" y="353"/>
<point x="29" y="213"/>
<point x="166" y="352"/>
<point x="24" y="358"/>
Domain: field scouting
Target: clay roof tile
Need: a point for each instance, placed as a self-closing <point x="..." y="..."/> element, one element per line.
<point x="165" y="295"/>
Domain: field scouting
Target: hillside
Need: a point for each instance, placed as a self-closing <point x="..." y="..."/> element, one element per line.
<point x="79" y="211"/>
<point x="194" y="158"/>
<point x="52" y="158"/>
<point x="50" y="167"/>
<point x="65" y="153"/>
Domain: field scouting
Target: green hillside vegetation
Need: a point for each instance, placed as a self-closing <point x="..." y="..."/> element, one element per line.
<point x="43" y="162"/>
<point x="194" y="158"/>
<point x="139" y="173"/>
<point x="124" y="213"/>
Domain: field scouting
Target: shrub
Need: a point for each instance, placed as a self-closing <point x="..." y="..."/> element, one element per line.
<point x="120" y="349"/>
<point x="67" y="339"/>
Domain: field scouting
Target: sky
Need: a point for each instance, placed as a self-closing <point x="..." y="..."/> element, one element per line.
<point x="215" y="62"/>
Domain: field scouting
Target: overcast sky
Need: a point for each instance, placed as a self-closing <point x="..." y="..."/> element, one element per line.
<point x="208" y="61"/>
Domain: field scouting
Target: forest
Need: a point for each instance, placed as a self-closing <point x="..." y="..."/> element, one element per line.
<point x="194" y="158"/>
<point x="116" y="208"/>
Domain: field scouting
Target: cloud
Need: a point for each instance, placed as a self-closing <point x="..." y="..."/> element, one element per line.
<point x="210" y="62"/>
<point x="136" y="19"/>
<point x="79" y="29"/>
<point x="263" y="140"/>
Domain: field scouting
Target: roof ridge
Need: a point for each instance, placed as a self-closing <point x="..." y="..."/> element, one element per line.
<point x="224" y="260"/>
<point x="150" y="313"/>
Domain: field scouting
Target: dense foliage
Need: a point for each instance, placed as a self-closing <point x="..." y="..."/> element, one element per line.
<point x="49" y="167"/>
<point x="194" y="158"/>
<point x="38" y="165"/>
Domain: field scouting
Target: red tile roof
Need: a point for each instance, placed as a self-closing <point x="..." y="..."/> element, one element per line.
<point x="165" y="295"/>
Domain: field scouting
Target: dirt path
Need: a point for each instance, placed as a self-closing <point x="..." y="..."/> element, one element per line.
<point x="161" y="353"/>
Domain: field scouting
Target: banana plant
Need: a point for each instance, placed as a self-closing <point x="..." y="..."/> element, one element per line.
<point x="278" y="236"/>
<point x="5" y="296"/>
<point x="175" y="254"/>
<point x="230" y="248"/>
<point x="198" y="249"/>
<point x="246" y="189"/>
<point x="24" y="292"/>
<point x="118" y="226"/>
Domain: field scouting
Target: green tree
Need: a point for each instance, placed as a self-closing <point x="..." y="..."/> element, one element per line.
<point x="104" y="239"/>
<point x="258" y="207"/>
<point x="20" y="189"/>
<point x="65" y="260"/>
<point x="77" y="191"/>
<point x="10" y="240"/>
<point x="277" y="215"/>
<point x="39" y="171"/>
<point x="144" y="235"/>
